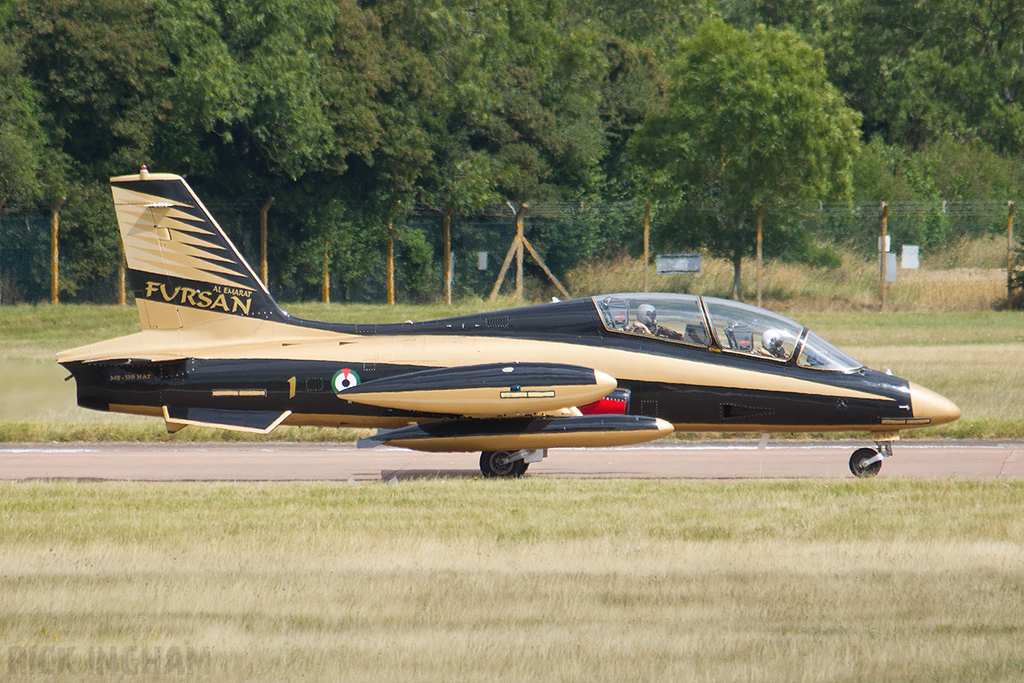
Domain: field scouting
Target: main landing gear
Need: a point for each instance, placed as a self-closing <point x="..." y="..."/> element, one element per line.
<point x="866" y="462"/>
<point x="509" y="464"/>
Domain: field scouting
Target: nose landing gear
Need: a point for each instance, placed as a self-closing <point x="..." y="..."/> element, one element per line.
<point x="867" y="462"/>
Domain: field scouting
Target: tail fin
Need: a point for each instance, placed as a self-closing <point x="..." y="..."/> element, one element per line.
<point x="184" y="270"/>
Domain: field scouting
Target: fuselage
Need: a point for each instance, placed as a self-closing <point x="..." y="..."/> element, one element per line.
<point x="699" y="374"/>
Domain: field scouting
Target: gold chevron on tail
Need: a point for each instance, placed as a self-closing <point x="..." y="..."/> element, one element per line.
<point x="184" y="269"/>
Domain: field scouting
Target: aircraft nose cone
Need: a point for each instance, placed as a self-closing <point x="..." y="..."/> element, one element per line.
<point x="926" y="403"/>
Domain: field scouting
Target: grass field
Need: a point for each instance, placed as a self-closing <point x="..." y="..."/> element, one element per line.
<point x="886" y="580"/>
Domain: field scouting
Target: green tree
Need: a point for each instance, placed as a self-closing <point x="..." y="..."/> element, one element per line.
<point x="263" y="92"/>
<point x="305" y="101"/>
<point x="749" y="119"/>
<point x="519" y="87"/>
<point x="97" y="76"/>
<point x="633" y="86"/>
<point x="97" y="73"/>
<point x="23" y="142"/>
<point x="514" y="111"/>
<point x="652" y="25"/>
<point x="918" y="70"/>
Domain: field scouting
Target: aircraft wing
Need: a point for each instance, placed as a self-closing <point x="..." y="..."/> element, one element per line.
<point x="485" y="391"/>
<point x="503" y="406"/>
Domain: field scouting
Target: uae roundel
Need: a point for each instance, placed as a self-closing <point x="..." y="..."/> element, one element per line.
<point x="344" y="379"/>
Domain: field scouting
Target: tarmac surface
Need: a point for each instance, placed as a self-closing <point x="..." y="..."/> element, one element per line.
<point x="342" y="462"/>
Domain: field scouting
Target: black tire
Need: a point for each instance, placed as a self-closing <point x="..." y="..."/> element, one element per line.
<point x="861" y="456"/>
<point x="496" y="464"/>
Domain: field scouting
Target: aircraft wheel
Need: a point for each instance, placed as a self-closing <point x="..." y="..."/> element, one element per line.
<point x="858" y="460"/>
<point x="500" y="464"/>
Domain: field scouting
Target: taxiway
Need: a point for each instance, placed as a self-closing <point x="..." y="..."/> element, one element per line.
<point x="342" y="461"/>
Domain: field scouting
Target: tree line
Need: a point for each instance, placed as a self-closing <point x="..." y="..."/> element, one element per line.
<point x="379" y="120"/>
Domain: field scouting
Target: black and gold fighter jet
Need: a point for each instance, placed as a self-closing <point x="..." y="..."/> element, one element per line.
<point x="217" y="351"/>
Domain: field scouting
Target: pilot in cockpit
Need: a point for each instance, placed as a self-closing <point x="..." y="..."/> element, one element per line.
<point x="647" y="323"/>
<point x="771" y="344"/>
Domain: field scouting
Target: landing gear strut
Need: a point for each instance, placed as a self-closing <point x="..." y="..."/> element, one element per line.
<point x="867" y="462"/>
<point x="508" y="463"/>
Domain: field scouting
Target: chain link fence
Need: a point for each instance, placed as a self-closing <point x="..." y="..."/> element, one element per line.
<point x="24" y="258"/>
<point x="564" y="233"/>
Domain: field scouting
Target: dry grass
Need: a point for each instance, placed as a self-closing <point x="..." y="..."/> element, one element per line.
<point x="987" y="380"/>
<point x="980" y="252"/>
<point x="958" y="289"/>
<point x="852" y="286"/>
<point x="531" y="580"/>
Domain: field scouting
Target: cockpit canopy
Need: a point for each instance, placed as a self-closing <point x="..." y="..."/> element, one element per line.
<point x="722" y="325"/>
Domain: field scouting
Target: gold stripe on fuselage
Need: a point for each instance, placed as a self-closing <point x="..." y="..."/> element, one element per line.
<point x="624" y="365"/>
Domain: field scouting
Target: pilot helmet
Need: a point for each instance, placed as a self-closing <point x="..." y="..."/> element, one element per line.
<point x="646" y="314"/>
<point x="771" y="340"/>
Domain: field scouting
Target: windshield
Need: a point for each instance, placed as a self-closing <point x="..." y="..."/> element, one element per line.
<point x="818" y="353"/>
<point x="734" y="327"/>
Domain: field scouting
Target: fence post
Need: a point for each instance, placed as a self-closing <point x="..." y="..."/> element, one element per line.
<point x="1009" y="254"/>
<point x="54" y="256"/>
<point x="390" y="264"/>
<point x="760" y="262"/>
<point x="882" y="251"/>
<point x="122" y="295"/>
<point x="446" y="224"/>
<point x="263" y="239"/>
<point x="519" y="253"/>
<point x="647" y="245"/>
<point x="325" y="285"/>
